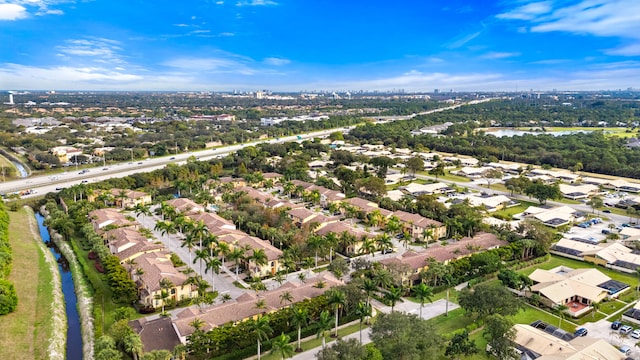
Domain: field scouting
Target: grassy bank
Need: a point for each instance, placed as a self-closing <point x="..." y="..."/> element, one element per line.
<point x="26" y="332"/>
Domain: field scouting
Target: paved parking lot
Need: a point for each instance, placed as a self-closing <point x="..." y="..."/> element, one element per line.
<point x="602" y="330"/>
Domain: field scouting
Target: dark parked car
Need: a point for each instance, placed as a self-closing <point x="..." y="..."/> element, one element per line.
<point x="616" y="325"/>
<point x="581" y="332"/>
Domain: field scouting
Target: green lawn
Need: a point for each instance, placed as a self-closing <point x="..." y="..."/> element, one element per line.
<point x="609" y="131"/>
<point x="515" y="209"/>
<point x="313" y="343"/>
<point x="25" y="333"/>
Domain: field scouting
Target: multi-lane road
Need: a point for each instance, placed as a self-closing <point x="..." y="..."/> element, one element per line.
<point x="55" y="182"/>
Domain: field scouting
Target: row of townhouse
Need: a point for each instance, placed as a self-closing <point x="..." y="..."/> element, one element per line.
<point x="120" y="197"/>
<point x="413" y="263"/>
<point x="226" y="231"/>
<point x="613" y="255"/>
<point x="147" y="262"/>
<point x="165" y="333"/>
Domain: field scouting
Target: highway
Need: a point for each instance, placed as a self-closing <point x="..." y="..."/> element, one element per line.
<point x="48" y="183"/>
<point x="55" y="182"/>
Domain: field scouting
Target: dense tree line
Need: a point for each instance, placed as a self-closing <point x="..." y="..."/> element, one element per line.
<point x="8" y="297"/>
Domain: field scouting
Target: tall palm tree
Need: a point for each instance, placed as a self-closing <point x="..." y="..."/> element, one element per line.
<point x="562" y="312"/>
<point x="337" y="300"/>
<point x="201" y="255"/>
<point x="259" y="258"/>
<point x="368" y="247"/>
<point x="190" y="242"/>
<point x="384" y="242"/>
<point x="300" y="318"/>
<point x="363" y="311"/>
<point x="331" y="240"/>
<point x="315" y="243"/>
<point x="261" y="329"/>
<point x="165" y="285"/>
<point x="394" y="295"/>
<point x="280" y="345"/>
<point x="199" y="230"/>
<point x="132" y="344"/>
<point x="213" y="264"/>
<point x="369" y="286"/>
<point x="237" y="255"/>
<point x="223" y="250"/>
<point x="143" y="210"/>
<point x="423" y="293"/>
<point x="324" y="324"/>
<point x="211" y="241"/>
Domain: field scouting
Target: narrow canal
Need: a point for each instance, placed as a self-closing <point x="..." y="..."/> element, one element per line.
<point x="74" y="337"/>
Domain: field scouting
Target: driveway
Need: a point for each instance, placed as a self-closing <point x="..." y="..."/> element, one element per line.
<point x="602" y="330"/>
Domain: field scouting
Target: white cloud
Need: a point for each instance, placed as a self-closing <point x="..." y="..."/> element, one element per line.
<point x="21" y="9"/>
<point x="527" y="12"/>
<point x="617" y="18"/>
<point x="627" y="50"/>
<point x="461" y="41"/>
<point x="211" y="64"/>
<point x="101" y="49"/>
<point x="12" y="12"/>
<point x="256" y="3"/>
<point x="219" y="2"/>
<point x="499" y="55"/>
<point x="276" y="61"/>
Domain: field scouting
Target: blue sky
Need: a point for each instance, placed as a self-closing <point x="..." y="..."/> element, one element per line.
<point x="297" y="45"/>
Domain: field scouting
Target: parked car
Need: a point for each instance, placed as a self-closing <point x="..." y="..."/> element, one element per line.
<point x="616" y="325"/>
<point x="625" y="349"/>
<point x="625" y="329"/>
<point x="635" y="334"/>
<point x="606" y="211"/>
<point x="581" y="332"/>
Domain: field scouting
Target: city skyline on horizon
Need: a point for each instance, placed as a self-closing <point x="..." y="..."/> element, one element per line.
<point x="287" y="46"/>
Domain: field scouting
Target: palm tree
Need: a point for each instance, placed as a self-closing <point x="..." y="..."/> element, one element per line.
<point x="331" y="240"/>
<point x="384" y="242"/>
<point x="237" y="255"/>
<point x="213" y="264"/>
<point x="363" y="311"/>
<point x="225" y="297"/>
<point x="165" y="285"/>
<point x="223" y="250"/>
<point x="280" y="345"/>
<point x="315" y="243"/>
<point x="261" y="304"/>
<point x="423" y="293"/>
<point x="259" y="258"/>
<point x="279" y="278"/>
<point x="201" y="255"/>
<point x="211" y="241"/>
<point x="300" y="318"/>
<point x="368" y="247"/>
<point x="286" y="296"/>
<point x="324" y="324"/>
<point x="143" y="210"/>
<point x="382" y="278"/>
<point x="337" y="300"/>
<point x="197" y="324"/>
<point x="393" y="296"/>
<point x="199" y="230"/>
<point x="369" y="287"/>
<point x="132" y="344"/>
<point x="190" y="243"/>
<point x="261" y="329"/>
<point x="561" y="310"/>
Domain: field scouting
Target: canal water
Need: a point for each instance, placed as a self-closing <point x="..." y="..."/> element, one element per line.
<point x="21" y="169"/>
<point x="74" y="336"/>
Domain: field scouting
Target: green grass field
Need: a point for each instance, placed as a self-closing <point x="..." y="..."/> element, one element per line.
<point x="25" y="333"/>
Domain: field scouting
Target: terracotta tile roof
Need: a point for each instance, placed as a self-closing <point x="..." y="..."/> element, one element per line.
<point x="416" y="219"/>
<point x="104" y="217"/>
<point x="245" y="305"/>
<point x="157" y="265"/>
<point x="271" y="175"/>
<point x="443" y="253"/>
<point x="184" y="205"/>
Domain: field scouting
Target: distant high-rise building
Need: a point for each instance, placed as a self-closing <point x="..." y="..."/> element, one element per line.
<point x="435" y="91"/>
<point x="10" y="99"/>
